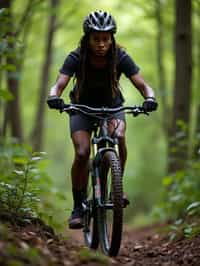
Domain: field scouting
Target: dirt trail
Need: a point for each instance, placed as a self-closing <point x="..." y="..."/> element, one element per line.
<point x="140" y="247"/>
<point x="149" y="246"/>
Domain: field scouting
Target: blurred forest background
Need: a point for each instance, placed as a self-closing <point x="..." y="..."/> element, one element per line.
<point x="162" y="171"/>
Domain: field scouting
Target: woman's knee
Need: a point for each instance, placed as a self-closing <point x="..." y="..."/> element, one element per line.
<point x="82" y="153"/>
<point x="81" y="141"/>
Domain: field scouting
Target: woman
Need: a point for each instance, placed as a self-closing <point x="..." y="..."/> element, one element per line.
<point x="96" y="65"/>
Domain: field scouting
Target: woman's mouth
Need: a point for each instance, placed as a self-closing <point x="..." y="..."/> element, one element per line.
<point x="100" y="51"/>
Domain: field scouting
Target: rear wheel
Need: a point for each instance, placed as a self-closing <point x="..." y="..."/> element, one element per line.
<point x="90" y="230"/>
<point x="110" y="216"/>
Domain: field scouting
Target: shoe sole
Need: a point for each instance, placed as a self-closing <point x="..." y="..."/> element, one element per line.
<point x="76" y="224"/>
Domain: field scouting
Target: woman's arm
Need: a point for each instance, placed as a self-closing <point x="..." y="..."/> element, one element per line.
<point x="61" y="83"/>
<point x="53" y="100"/>
<point x="142" y="86"/>
<point x="147" y="92"/>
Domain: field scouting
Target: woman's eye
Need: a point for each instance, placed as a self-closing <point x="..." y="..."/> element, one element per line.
<point x="97" y="40"/>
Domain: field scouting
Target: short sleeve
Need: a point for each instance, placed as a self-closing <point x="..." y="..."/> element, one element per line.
<point x="70" y="65"/>
<point x="127" y="65"/>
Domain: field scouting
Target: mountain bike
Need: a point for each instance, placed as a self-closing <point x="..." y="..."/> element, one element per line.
<point x="103" y="207"/>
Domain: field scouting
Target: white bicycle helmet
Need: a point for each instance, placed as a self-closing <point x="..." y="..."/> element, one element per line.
<point x="99" y="21"/>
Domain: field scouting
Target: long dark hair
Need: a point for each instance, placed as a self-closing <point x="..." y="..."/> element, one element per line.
<point x="81" y="74"/>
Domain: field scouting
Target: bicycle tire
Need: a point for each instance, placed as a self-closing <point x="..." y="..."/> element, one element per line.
<point x="111" y="191"/>
<point x="90" y="230"/>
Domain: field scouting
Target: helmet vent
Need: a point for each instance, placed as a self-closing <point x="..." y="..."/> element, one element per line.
<point x="96" y="14"/>
<point x="94" y="22"/>
<point x="101" y="20"/>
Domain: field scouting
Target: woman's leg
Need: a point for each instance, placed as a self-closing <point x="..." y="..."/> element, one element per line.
<point x="79" y="175"/>
<point x="79" y="171"/>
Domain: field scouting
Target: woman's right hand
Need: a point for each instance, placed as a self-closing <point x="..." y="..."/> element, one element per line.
<point x="55" y="102"/>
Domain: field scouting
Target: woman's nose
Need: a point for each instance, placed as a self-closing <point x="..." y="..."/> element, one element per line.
<point x="101" y="44"/>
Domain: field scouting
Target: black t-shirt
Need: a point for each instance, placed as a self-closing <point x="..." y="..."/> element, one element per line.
<point x="96" y="90"/>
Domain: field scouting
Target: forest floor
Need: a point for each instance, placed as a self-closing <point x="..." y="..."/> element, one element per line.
<point x="36" y="244"/>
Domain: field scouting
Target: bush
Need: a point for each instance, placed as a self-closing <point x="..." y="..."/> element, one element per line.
<point x="181" y="200"/>
<point x="25" y="188"/>
<point x="19" y="174"/>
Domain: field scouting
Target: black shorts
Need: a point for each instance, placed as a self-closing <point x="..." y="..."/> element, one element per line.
<point x="83" y="122"/>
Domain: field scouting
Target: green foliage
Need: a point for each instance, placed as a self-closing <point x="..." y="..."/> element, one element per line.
<point x="25" y="189"/>
<point x="181" y="200"/>
<point x="6" y="95"/>
<point x="183" y="191"/>
<point x="19" y="174"/>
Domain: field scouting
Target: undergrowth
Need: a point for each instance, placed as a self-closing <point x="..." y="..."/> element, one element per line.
<point x="181" y="199"/>
<point x="26" y="191"/>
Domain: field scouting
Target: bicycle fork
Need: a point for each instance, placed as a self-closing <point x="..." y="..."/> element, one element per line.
<point x="97" y="179"/>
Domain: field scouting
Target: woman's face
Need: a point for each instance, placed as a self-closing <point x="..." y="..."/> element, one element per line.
<point x="100" y="42"/>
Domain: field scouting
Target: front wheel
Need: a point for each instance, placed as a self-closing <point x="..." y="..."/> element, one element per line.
<point x="110" y="215"/>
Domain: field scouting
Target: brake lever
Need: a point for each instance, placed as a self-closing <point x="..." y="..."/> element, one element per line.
<point x="136" y="113"/>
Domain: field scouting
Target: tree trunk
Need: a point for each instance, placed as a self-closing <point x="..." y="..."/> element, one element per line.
<point x="182" y="90"/>
<point x="37" y="134"/>
<point x="160" y="65"/>
<point x="197" y="61"/>
<point x="1" y="105"/>
<point x="197" y="135"/>
<point x="12" y="112"/>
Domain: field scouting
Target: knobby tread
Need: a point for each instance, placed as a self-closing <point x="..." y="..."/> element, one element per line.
<point x="111" y="160"/>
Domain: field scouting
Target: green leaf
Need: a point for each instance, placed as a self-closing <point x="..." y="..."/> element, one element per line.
<point x="2" y="10"/>
<point x="36" y="158"/>
<point x="176" y="198"/>
<point x="173" y="236"/>
<point x="38" y="153"/>
<point x="193" y="205"/>
<point x="20" y="160"/>
<point x="18" y="172"/>
<point x="179" y="221"/>
<point x="188" y="231"/>
<point x="167" y="181"/>
<point x="6" y="95"/>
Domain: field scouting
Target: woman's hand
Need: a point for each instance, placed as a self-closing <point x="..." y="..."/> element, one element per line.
<point x="150" y="104"/>
<point x="55" y="102"/>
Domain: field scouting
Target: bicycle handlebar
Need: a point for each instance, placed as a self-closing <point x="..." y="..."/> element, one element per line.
<point x="87" y="110"/>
